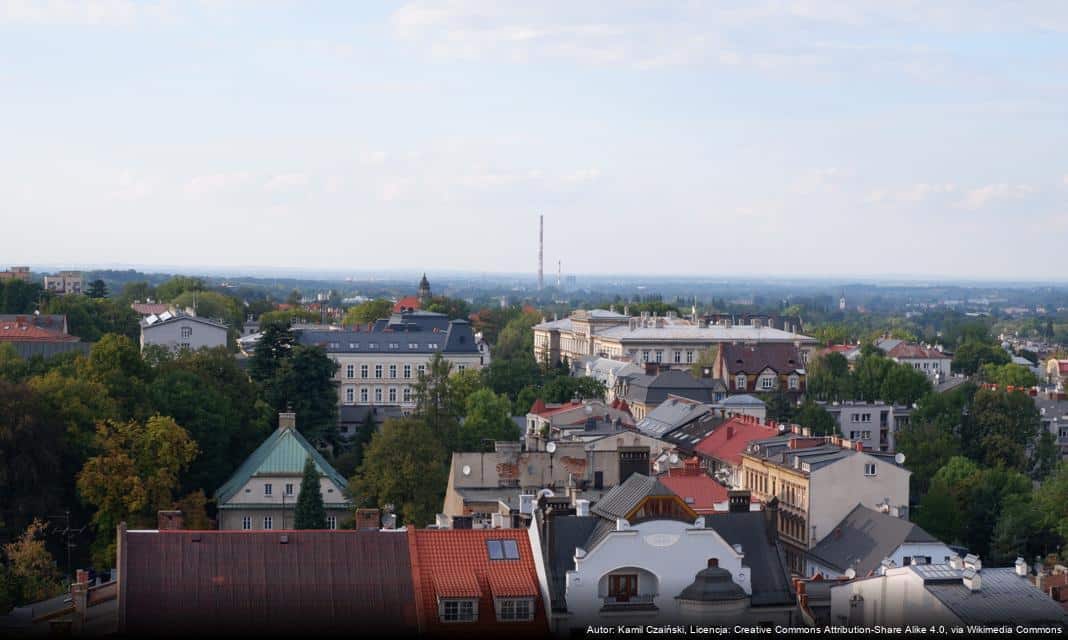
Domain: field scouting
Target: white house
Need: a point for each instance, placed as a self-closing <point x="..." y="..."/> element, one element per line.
<point x="640" y="555"/>
<point x="963" y="593"/>
<point x="182" y="332"/>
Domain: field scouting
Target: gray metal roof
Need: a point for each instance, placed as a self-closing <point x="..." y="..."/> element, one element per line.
<point x="741" y="400"/>
<point x="670" y="415"/>
<point x="622" y="499"/>
<point x="458" y="338"/>
<point x="567" y="533"/>
<point x="1004" y="598"/>
<point x="654" y="389"/>
<point x="863" y="538"/>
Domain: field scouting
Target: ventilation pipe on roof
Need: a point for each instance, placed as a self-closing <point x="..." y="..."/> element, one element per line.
<point x="1021" y="567"/>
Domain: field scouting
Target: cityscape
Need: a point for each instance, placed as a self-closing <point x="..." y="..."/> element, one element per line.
<point x="541" y="320"/>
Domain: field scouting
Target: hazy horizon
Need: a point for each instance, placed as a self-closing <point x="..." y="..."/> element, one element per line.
<point x="912" y="140"/>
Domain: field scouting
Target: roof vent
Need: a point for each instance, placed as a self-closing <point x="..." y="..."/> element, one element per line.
<point x="284" y="538"/>
<point x="973" y="580"/>
<point x="1021" y="567"/>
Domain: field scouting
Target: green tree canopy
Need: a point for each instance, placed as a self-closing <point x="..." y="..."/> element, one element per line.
<point x="1008" y="375"/>
<point x="368" y="312"/>
<point x="305" y="384"/>
<point x="814" y="416"/>
<point x="404" y="465"/>
<point x="310" y="512"/>
<point x="178" y="285"/>
<point x="488" y="417"/>
<point x="972" y="355"/>
<point x="134" y="476"/>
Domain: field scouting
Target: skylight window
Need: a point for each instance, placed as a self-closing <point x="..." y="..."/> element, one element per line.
<point x="502" y="549"/>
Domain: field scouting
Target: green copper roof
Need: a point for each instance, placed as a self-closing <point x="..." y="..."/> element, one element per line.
<point x="282" y="453"/>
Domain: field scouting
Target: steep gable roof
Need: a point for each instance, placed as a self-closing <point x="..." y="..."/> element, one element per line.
<point x="624" y="499"/>
<point x="283" y="452"/>
<point x="864" y="537"/>
<point x="753" y="359"/>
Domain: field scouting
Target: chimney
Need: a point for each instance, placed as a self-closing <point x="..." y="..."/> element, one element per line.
<point x="730" y="431"/>
<point x="972" y="561"/>
<point x="973" y="580"/>
<point x="955" y="562"/>
<point x="287" y="420"/>
<point x="367" y="519"/>
<point x="771" y="519"/>
<point x="169" y="521"/>
<point x="442" y="521"/>
<point x="497" y="521"/>
<point x="858" y="445"/>
<point x="389" y="521"/>
<point x="582" y="507"/>
<point x="1021" y="567"/>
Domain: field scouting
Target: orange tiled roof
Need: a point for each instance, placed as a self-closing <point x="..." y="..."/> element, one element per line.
<point x="455" y="563"/>
<point x="407" y="302"/>
<point x="698" y="490"/>
<point x="729" y="439"/>
<point x="26" y="332"/>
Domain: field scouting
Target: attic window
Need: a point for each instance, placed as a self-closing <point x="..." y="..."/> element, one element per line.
<point x="502" y="549"/>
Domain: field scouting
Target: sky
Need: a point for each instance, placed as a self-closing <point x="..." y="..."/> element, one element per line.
<point x="766" y="137"/>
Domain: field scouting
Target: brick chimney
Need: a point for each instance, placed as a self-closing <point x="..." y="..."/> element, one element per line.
<point x="367" y="519"/>
<point x="738" y="500"/>
<point x="170" y="521"/>
<point x="730" y="431"/>
<point x="287" y="420"/>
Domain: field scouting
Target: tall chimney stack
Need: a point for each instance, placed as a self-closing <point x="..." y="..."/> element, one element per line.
<point x="541" y="247"/>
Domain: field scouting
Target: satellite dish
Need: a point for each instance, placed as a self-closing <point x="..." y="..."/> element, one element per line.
<point x="466" y="470"/>
<point x="551" y="447"/>
<point x="851" y="573"/>
<point x="674" y="458"/>
<point x="899" y="458"/>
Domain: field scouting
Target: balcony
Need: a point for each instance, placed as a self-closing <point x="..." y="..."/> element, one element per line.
<point x="627" y="604"/>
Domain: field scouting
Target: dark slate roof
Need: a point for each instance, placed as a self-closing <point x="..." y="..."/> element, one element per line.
<point x="178" y="317"/>
<point x="566" y="533"/>
<point x="671" y="414"/>
<point x="240" y="583"/>
<point x="457" y="338"/>
<point x="1004" y="597"/>
<point x="752" y="359"/>
<point x="654" y="389"/>
<point x="713" y="584"/>
<point x="766" y="561"/>
<point x="623" y="498"/>
<point x="863" y="538"/>
<point x="687" y="436"/>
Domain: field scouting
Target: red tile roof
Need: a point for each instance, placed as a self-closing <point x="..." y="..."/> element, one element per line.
<point x="1062" y="366"/>
<point x="729" y="439"/>
<point x="697" y="490"/>
<point x="456" y="563"/>
<point x="147" y="309"/>
<point x="407" y="302"/>
<point x="27" y="332"/>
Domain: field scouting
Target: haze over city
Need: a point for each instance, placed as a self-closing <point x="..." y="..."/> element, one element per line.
<point x="768" y="139"/>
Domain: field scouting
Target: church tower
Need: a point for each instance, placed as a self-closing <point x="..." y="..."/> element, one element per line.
<point x="424" y="291"/>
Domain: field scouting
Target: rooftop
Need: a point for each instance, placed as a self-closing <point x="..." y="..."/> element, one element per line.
<point x="863" y="538"/>
<point x="732" y="437"/>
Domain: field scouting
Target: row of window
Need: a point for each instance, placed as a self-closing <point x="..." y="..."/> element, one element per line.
<point x="766" y="382"/>
<point x="860" y="417"/>
<point x="392" y="346"/>
<point x="860" y="435"/>
<point x="381" y="370"/>
<point x="466" y="609"/>
<point x="658" y="355"/>
<point x="268" y="522"/>
<point x="380" y="396"/>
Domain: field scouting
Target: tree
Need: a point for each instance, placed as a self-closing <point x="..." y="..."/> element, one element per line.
<point x="310" y="512"/>
<point x="829" y="378"/>
<point x="511" y="376"/>
<point x="817" y="418"/>
<point x="517" y="337"/>
<point x="91" y="318"/>
<point x="134" y="476"/>
<point x="454" y="308"/>
<point x="1045" y="457"/>
<point x="1008" y="375"/>
<point x="927" y="447"/>
<point x="368" y="312"/>
<point x="209" y="304"/>
<point x="17" y="296"/>
<point x="97" y="289"/>
<point x="115" y="362"/>
<point x="869" y="374"/>
<point x="138" y="291"/>
<point x="274" y="346"/>
<point x="1000" y="428"/>
<point x="305" y="384"/>
<point x="903" y="385"/>
<point x="32" y="567"/>
<point x="972" y="355"/>
<point x="779" y="406"/>
<point x="31" y="454"/>
<point x="1051" y="501"/>
<point x="436" y="402"/>
<point x="488" y="417"/>
<point x="178" y="285"/>
<point x="404" y="466"/>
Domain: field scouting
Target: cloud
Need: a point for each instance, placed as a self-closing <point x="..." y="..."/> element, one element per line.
<point x="285" y="182"/>
<point x="213" y="183"/>
<point x="915" y="193"/>
<point x="981" y="197"/>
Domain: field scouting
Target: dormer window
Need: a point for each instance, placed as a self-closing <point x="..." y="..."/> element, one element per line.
<point x="514" y="609"/>
<point x="739" y="381"/>
<point x="458" y="609"/>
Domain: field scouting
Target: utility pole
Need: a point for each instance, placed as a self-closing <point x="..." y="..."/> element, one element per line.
<point x="68" y="534"/>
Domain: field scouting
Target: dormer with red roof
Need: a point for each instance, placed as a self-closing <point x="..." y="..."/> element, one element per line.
<point x="476" y="581"/>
